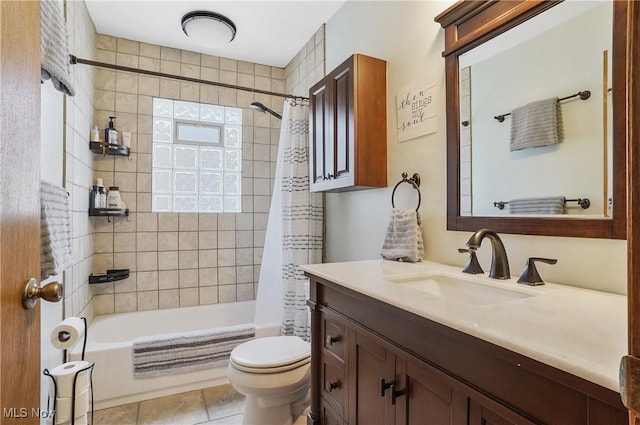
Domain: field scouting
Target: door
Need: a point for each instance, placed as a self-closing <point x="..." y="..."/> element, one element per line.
<point x="19" y="209"/>
<point x="633" y="198"/>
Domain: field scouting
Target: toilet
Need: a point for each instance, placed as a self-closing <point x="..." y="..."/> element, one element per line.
<point x="273" y="373"/>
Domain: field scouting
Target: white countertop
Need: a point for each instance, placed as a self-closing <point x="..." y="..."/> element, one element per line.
<point x="581" y="331"/>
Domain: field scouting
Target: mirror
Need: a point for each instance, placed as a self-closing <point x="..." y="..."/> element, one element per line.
<point x="504" y="55"/>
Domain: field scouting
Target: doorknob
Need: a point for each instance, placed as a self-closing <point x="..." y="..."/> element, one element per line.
<point x="51" y="292"/>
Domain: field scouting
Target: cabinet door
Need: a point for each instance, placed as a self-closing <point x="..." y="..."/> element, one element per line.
<point x="483" y="414"/>
<point x="427" y="396"/>
<point x="342" y="81"/>
<point x="320" y="124"/>
<point x="369" y="361"/>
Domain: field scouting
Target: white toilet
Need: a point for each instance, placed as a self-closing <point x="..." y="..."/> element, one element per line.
<point x="274" y="375"/>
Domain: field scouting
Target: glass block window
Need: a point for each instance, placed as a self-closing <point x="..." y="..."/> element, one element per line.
<point x="197" y="157"/>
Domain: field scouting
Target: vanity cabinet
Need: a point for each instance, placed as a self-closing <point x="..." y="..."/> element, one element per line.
<point x="373" y="363"/>
<point x="348" y="122"/>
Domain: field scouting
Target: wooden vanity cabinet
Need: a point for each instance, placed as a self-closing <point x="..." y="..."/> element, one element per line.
<point x="375" y="364"/>
<point x="348" y="124"/>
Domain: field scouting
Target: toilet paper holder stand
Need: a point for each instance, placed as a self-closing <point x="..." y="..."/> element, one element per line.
<point x="64" y="336"/>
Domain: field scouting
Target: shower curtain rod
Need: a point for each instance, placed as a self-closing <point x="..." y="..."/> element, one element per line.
<point x="73" y="60"/>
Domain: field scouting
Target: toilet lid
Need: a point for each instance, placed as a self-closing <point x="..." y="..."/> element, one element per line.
<point x="271" y="353"/>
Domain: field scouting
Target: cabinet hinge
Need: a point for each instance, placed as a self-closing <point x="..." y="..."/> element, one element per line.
<point x="630" y="382"/>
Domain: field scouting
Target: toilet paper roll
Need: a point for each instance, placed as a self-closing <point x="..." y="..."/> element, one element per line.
<point x="64" y="375"/>
<point x="63" y="406"/>
<point x="67" y="333"/>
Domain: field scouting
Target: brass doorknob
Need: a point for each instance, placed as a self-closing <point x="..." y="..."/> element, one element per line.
<point x="51" y="292"/>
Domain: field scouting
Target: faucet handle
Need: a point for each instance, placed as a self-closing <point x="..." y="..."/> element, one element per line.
<point x="472" y="266"/>
<point x="530" y="275"/>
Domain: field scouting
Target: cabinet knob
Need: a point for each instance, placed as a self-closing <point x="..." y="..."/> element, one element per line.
<point x="332" y="385"/>
<point x="332" y="339"/>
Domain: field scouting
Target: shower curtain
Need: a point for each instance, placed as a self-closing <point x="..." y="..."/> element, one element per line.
<point x="302" y="213"/>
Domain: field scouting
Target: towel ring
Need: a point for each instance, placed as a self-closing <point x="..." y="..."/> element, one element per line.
<point x="413" y="181"/>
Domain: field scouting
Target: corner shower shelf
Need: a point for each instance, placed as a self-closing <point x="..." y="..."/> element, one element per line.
<point x="102" y="149"/>
<point x="110" y="276"/>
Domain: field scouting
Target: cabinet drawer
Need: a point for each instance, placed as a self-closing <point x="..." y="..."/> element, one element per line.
<point x="334" y="337"/>
<point x="333" y="385"/>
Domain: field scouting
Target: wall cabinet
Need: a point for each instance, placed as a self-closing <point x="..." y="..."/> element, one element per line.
<point x="373" y="363"/>
<point x="348" y="122"/>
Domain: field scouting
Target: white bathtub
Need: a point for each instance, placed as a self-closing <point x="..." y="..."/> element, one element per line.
<point x="109" y="346"/>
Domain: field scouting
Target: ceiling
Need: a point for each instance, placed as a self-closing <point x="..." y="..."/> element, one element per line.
<point x="268" y="32"/>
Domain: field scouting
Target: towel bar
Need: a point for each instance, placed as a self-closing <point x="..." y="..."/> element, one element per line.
<point x="583" y="202"/>
<point x="584" y="95"/>
<point x="413" y="181"/>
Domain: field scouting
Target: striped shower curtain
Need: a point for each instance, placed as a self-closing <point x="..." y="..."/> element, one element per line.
<point x="301" y="218"/>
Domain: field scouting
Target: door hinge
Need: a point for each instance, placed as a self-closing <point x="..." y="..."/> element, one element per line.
<point x="630" y="382"/>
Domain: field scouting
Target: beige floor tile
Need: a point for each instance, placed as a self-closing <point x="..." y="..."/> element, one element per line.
<point x="180" y="409"/>
<point x="223" y="401"/>
<point x="120" y="415"/>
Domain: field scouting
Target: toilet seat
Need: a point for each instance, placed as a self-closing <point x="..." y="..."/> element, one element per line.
<point x="271" y="354"/>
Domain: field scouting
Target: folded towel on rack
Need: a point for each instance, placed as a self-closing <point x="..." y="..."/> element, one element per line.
<point x="54" y="48"/>
<point x="536" y="124"/>
<point x="187" y="351"/>
<point x="403" y="241"/>
<point x="542" y="205"/>
<point x="55" y="230"/>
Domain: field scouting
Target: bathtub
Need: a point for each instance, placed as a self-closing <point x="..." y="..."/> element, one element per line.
<point x="110" y="340"/>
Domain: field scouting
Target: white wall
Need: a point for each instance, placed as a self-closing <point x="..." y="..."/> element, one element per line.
<point x="51" y="170"/>
<point x="405" y="35"/>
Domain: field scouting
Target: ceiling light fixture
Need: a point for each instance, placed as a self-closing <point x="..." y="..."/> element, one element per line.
<point x="208" y="29"/>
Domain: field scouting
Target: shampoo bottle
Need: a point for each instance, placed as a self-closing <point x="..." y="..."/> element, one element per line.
<point x="111" y="133"/>
<point x="101" y="196"/>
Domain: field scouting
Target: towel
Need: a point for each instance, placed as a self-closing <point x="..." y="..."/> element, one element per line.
<point x="55" y="230"/>
<point x="403" y="241"/>
<point x="184" y="352"/>
<point x="54" y="50"/>
<point x="536" y="124"/>
<point x="543" y="205"/>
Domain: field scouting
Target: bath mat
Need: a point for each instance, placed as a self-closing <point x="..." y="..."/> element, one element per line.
<point x="185" y="352"/>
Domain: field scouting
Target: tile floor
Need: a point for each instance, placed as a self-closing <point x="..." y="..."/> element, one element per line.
<point x="211" y="406"/>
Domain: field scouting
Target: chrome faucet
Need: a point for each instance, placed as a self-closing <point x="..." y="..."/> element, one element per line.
<point x="499" y="261"/>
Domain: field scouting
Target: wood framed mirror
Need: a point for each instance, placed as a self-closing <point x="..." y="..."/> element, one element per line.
<point x="470" y="25"/>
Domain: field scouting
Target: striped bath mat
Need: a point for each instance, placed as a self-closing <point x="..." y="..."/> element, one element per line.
<point x="187" y="351"/>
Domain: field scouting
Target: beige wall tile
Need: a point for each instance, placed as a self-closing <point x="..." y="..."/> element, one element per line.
<point x="167" y="53"/>
<point x="227" y="97"/>
<point x="147" y="222"/>
<point x="208" y="295"/>
<point x="168" y="222"/>
<point x="149" y="64"/>
<point x="147" y="300"/>
<point x="147" y="281"/>
<point x="227" y="293"/>
<point x="103" y="243"/>
<point x="105" y="42"/>
<point x="188" y="259"/>
<point x="244" y="256"/>
<point x="207" y="258"/>
<point x="147" y="261"/>
<point x="167" y="241"/>
<point x="149" y="86"/>
<point x="190" y="57"/>
<point x="188" y="222"/>
<point x="226" y="239"/>
<point x="128" y="46"/>
<point x="207" y="240"/>
<point x="188" y="241"/>
<point x="124" y="242"/>
<point x="146" y="241"/>
<point x="103" y="304"/>
<point x="208" y="276"/>
<point x="245" y="291"/>
<point x="188" y="278"/>
<point x="226" y="257"/>
<point x="210" y="61"/>
<point x="168" y="279"/>
<point x="189" y="297"/>
<point x="150" y="50"/>
<point x="168" y="260"/>
<point x="169" y="298"/>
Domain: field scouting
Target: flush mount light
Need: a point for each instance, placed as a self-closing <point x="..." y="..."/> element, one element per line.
<point x="208" y="29"/>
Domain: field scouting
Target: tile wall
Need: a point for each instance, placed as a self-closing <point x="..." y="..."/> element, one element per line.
<point x="78" y="160"/>
<point x="307" y="67"/>
<point x="180" y="259"/>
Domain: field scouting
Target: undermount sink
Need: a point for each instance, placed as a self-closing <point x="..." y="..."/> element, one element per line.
<point x="462" y="290"/>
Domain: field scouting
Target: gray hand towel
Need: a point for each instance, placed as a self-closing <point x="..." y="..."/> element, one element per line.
<point x="403" y="241"/>
<point x="54" y="50"/>
<point x="55" y="230"/>
<point x="542" y="205"/>
<point x="536" y="124"/>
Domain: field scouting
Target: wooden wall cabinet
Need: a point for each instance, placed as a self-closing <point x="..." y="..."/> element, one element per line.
<point x="348" y="123"/>
<point x="372" y="363"/>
